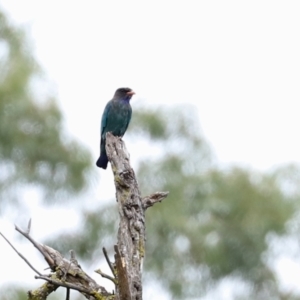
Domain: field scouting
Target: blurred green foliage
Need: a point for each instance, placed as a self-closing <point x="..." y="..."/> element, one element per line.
<point x="213" y="226"/>
<point x="13" y="292"/>
<point x="215" y="223"/>
<point x="33" y="146"/>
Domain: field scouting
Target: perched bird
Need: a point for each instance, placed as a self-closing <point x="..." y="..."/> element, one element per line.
<point x="115" y="119"/>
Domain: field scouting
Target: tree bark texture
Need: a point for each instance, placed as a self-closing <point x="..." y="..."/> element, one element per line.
<point x="129" y="250"/>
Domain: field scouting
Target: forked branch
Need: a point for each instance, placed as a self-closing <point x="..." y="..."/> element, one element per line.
<point x="129" y="251"/>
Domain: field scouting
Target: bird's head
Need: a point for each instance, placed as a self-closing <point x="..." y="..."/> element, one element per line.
<point x="124" y="93"/>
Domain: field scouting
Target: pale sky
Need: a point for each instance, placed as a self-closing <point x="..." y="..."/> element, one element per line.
<point x="237" y="62"/>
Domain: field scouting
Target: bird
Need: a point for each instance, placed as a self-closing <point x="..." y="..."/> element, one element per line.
<point x="115" y="119"/>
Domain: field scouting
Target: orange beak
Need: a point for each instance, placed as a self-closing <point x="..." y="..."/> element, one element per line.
<point x="131" y="93"/>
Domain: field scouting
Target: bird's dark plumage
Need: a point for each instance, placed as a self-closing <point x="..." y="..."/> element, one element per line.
<point x="115" y="119"/>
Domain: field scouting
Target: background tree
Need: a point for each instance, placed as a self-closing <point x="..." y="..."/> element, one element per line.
<point x="34" y="148"/>
<point x="35" y="151"/>
<point x="218" y="223"/>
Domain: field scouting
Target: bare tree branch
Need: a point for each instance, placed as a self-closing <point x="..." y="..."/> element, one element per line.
<point x="20" y="254"/>
<point x="65" y="273"/>
<point x="114" y="280"/>
<point x="76" y="287"/>
<point x="130" y="251"/>
<point x="40" y="247"/>
<point x="42" y="292"/>
<point x="109" y="262"/>
<point x="149" y="201"/>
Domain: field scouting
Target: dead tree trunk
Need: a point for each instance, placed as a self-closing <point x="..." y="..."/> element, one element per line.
<point x="130" y="248"/>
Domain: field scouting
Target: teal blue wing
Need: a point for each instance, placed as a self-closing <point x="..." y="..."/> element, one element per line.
<point x="128" y="119"/>
<point x="104" y="117"/>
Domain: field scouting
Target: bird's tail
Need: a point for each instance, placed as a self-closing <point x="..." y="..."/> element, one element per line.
<point x="102" y="161"/>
